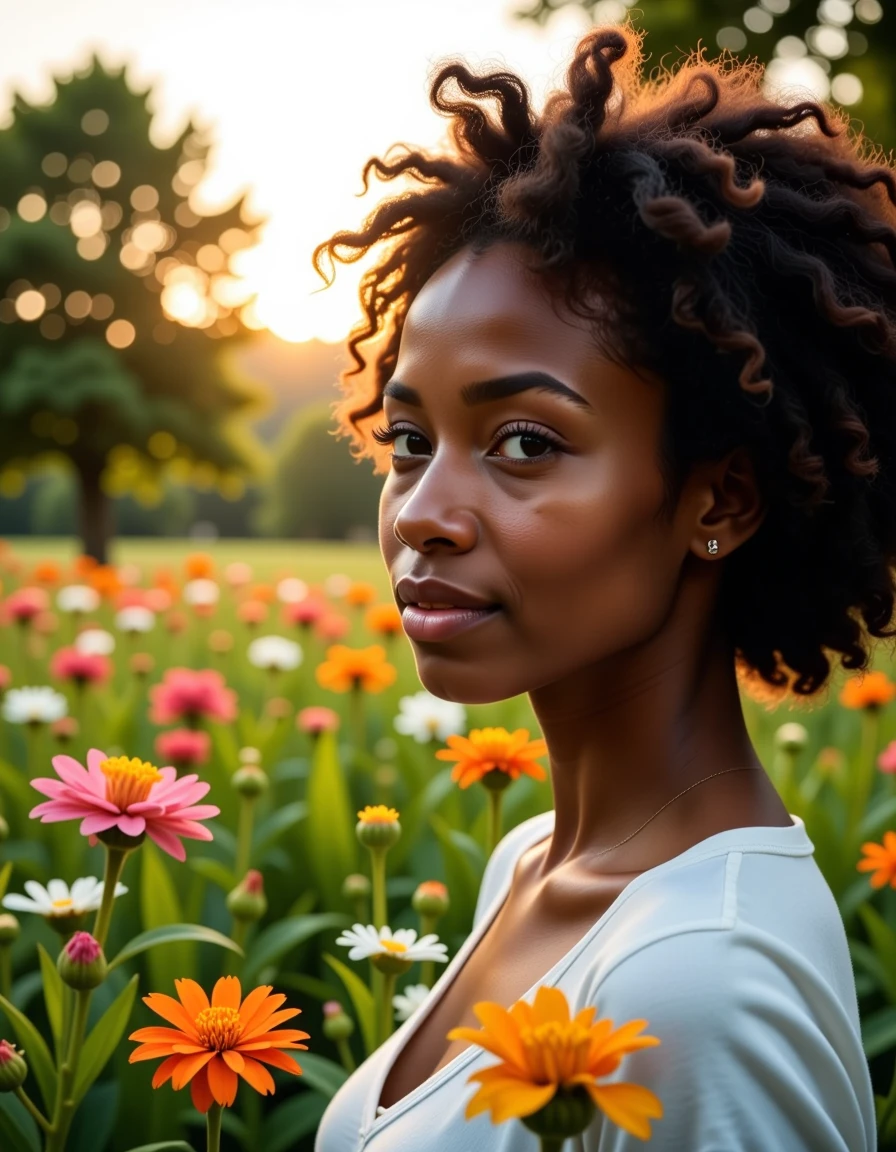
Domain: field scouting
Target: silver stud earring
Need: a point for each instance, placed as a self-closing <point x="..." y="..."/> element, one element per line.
<point x="712" y="546"/>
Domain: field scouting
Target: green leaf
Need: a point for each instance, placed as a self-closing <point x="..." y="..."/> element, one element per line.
<point x="15" y="785"/>
<point x="170" y="934"/>
<point x="18" y="1131"/>
<point x="879" y="1031"/>
<point x="329" y="835"/>
<point x="104" y="1038"/>
<point x="292" y="1120"/>
<point x="40" y="1062"/>
<point x="883" y="941"/>
<point x="361" y="997"/>
<point x="5" y="874"/>
<point x="160" y="907"/>
<point x="321" y="1073"/>
<point x="878" y="819"/>
<point x="309" y="985"/>
<point x="53" y="993"/>
<point x="213" y="870"/>
<point x="275" y="941"/>
<point x="459" y="853"/>
<point x="280" y="821"/>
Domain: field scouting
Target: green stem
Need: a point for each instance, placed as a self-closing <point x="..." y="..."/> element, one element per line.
<point x="385" y="1006"/>
<point x="378" y="886"/>
<point x="244" y="837"/>
<point x="345" y="1055"/>
<point x="356" y="709"/>
<point x="232" y="962"/>
<point x="864" y="781"/>
<point x="34" y="742"/>
<point x="213" y="1128"/>
<point x="552" y="1143"/>
<point x="33" y="1109"/>
<point x="115" y="858"/>
<point x="5" y="969"/>
<point x="427" y="967"/>
<point x="494" y="820"/>
<point x="65" y="1104"/>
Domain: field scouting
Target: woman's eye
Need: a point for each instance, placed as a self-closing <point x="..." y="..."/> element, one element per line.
<point x="412" y="447"/>
<point x="526" y="445"/>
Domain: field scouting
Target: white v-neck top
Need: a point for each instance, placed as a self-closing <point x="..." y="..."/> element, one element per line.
<point x="734" y="952"/>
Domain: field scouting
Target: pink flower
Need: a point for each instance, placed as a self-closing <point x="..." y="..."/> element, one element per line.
<point x="332" y="626"/>
<point x="304" y="613"/>
<point x="317" y="718"/>
<point x="886" y="761"/>
<point x="82" y="948"/>
<point x="5" y="678"/>
<point x="24" y="604"/>
<point x="128" y="794"/>
<point x="184" y="747"/>
<point x="81" y="667"/>
<point x="186" y="694"/>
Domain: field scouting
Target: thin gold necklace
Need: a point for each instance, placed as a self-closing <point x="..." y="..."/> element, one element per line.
<point x="747" y="768"/>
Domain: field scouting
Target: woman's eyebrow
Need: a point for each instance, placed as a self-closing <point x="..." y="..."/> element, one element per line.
<point x="483" y="391"/>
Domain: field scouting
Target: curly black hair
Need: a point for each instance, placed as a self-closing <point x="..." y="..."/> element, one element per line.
<point x="747" y="246"/>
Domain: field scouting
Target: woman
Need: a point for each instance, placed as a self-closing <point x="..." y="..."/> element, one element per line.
<point x="634" y="366"/>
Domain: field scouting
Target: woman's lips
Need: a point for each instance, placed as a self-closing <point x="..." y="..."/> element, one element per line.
<point x="442" y="623"/>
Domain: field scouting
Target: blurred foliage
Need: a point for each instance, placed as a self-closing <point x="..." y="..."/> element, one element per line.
<point x="100" y="251"/>
<point x="317" y="489"/>
<point x="866" y="48"/>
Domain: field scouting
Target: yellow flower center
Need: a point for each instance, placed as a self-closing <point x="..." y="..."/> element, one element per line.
<point x="65" y="903"/>
<point x="219" y="1028"/>
<point x="556" y="1051"/>
<point x="128" y="780"/>
<point x="394" y="946"/>
<point x="377" y="814"/>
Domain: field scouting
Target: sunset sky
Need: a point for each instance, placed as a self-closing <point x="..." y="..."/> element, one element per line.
<point x="298" y="95"/>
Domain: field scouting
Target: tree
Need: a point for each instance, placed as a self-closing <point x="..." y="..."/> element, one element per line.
<point x="317" y="488"/>
<point x="116" y="299"/>
<point x="818" y="41"/>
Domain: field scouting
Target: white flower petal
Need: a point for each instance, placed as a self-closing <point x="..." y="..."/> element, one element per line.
<point x="21" y="903"/>
<point x="38" y="893"/>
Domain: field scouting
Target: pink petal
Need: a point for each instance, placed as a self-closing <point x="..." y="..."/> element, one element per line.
<point x="131" y="825"/>
<point x="166" y="841"/>
<point x="50" y="787"/>
<point x="145" y="808"/>
<point x="99" y="822"/>
<point x="73" y="773"/>
<point x="200" y="812"/>
<point x="183" y="797"/>
<point x="169" y="773"/>
<point x="64" y="810"/>
<point x="94" y="759"/>
<point x="187" y="828"/>
<point x="92" y="841"/>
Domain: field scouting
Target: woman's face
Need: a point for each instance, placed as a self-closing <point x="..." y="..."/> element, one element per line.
<point x="543" y="503"/>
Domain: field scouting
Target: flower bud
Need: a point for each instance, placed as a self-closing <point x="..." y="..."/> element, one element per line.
<point x="430" y="898"/>
<point x="13" y="1069"/>
<point x="378" y="826"/>
<point x="336" y="1025"/>
<point x="64" y="729"/>
<point x="247" y="901"/>
<point x="249" y="755"/>
<point x="565" y="1114"/>
<point x="250" y="781"/>
<point x="791" y="737"/>
<point x="496" y="780"/>
<point x="81" y="962"/>
<point x="9" y="928"/>
<point x="355" y="886"/>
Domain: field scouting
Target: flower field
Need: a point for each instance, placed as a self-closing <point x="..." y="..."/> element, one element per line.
<point x="238" y="842"/>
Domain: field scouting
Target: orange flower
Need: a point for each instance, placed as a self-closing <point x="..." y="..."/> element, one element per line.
<point x="360" y="593"/>
<point x="83" y="565"/>
<point x="265" y="592"/>
<point x="486" y="749"/>
<point x="384" y="619"/>
<point x="346" y="668"/>
<point x="199" y="565"/>
<point x="881" y="860"/>
<point x="872" y="690"/>
<point x="542" y="1050"/>
<point x="105" y="580"/>
<point x="378" y="814"/>
<point x="212" y="1045"/>
<point x="47" y="572"/>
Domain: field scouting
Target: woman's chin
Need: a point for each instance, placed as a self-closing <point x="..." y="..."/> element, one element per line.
<point x="464" y="686"/>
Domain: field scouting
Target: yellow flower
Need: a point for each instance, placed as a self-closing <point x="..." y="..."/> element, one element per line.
<point x="543" y="1051"/>
<point x="346" y="668"/>
<point x="487" y="749"/>
<point x="881" y="860"/>
<point x="872" y="690"/>
<point x="377" y="814"/>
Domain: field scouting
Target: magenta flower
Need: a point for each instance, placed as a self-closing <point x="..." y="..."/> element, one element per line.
<point x="185" y="694"/>
<point x="886" y="761"/>
<point x="25" y="603"/>
<point x="81" y="667"/>
<point x="184" y="747"/>
<point x="128" y="794"/>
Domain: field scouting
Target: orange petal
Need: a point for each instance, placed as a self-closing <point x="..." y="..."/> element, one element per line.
<point x="518" y="1099"/>
<point x="200" y="1092"/>
<point x="268" y="1039"/>
<point x="550" y="1004"/>
<point x="192" y="996"/>
<point x="165" y="1071"/>
<point x="585" y="1016"/>
<point x="233" y="1059"/>
<point x="222" y="1081"/>
<point x="266" y="1023"/>
<point x="271" y="1004"/>
<point x="189" y="1066"/>
<point x="627" y="1105"/>
<point x="253" y="1002"/>
<point x="227" y="994"/>
<point x="172" y="1011"/>
<point x="161" y="1035"/>
<point x="149" y="1052"/>
<point x="278" y="1059"/>
<point x="258" y="1076"/>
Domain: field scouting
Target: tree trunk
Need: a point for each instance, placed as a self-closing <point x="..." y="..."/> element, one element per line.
<point x="95" y="510"/>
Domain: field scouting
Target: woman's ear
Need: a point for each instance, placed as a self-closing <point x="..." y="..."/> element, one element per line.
<point x="729" y="502"/>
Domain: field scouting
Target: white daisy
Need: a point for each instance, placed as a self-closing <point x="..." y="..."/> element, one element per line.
<point x="95" y="642"/>
<point x="407" y="1003"/>
<point x="77" y="598"/>
<point x="57" y="900"/>
<point x="33" y="706"/>
<point x="137" y="618"/>
<point x="201" y="591"/>
<point x="291" y="590"/>
<point x="365" y="941"/>
<point x="426" y="717"/>
<point x="275" y="652"/>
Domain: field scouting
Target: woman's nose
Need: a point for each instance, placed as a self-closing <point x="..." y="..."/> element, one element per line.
<point x="437" y="514"/>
